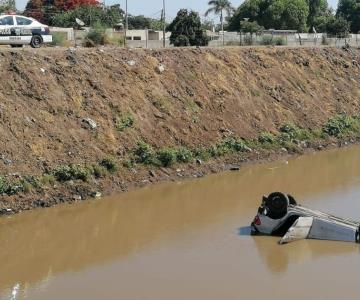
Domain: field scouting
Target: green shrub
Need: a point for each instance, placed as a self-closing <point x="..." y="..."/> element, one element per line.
<point x="267" y="138"/>
<point x="340" y="125"/>
<point x="184" y="155"/>
<point x="109" y="163"/>
<point x="267" y="40"/>
<point x="96" y="36"/>
<point x="233" y="144"/>
<point x="72" y="172"/>
<point x="3" y="185"/>
<point x="60" y="39"/>
<point x="166" y="157"/>
<point x="47" y="179"/>
<point x="203" y="153"/>
<point x="144" y="153"/>
<point x="99" y="171"/>
<point x="279" y="41"/>
<point x="124" y="122"/>
<point x="291" y="129"/>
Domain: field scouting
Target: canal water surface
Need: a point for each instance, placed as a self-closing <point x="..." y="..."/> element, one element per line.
<point x="188" y="240"/>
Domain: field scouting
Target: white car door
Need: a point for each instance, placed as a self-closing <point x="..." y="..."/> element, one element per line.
<point x="6" y="26"/>
<point x="23" y="28"/>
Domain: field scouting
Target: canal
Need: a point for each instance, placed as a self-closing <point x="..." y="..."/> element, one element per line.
<point x="187" y="240"/>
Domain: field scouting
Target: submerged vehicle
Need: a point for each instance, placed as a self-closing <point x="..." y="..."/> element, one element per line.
<point x="280" y="215"/>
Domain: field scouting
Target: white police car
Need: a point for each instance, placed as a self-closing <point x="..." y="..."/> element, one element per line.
<point x="17" y="31"/>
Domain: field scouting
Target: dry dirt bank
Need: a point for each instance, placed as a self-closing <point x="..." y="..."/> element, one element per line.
<point x="201" y="96"/>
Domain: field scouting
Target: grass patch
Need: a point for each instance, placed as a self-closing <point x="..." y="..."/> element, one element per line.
<point x="65" y="173"/>
<point x="125" y="122"/>
<point x="109" y="163"/>
<point x="341" y="125"/>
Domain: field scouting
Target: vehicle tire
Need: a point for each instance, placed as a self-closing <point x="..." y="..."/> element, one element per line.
<point x="16" y="46"/>
<point x="277" y="205"/>
<point x="292" y="200"/>
<point x="36" y="41"/>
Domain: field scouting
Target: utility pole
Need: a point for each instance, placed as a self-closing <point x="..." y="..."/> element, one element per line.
<point x="126" y="22"/>
<point x="164" y="24"/>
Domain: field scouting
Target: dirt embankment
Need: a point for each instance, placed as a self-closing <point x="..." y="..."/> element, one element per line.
<point x="187" y="97"/>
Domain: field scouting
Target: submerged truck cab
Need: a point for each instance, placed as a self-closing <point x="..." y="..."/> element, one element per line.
<point x="280" y="215"/>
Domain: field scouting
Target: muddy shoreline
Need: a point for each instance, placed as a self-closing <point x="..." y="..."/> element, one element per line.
<point x="145" y="176"/>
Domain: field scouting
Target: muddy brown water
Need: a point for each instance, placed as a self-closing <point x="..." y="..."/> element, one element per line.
<point x="187" y="240"/>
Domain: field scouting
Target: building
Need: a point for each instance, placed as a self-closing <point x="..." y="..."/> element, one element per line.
<point x="146" y="35"/>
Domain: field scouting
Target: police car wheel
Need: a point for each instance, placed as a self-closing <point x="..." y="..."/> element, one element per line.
<point x="36" y="41"/>
<point x="277" y="204"/>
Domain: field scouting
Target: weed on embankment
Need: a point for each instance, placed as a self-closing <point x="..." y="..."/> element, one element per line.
<point x="289" y="137"/>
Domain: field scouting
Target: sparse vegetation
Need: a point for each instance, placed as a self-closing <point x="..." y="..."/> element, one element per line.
<point x="124" y="122"/>
<point x="65" y="173"/>
<point x="341" y="125"/>
<point x="109" y="163"/>
<point x="166" y="157"/>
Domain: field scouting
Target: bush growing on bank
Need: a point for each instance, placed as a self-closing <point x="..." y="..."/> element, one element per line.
<point x="289" y="136"/>
<point x="124" y="122"/>
<point x="109" y="163"/>
<point x="65" y="173"/>
<point x="341" y="125"/>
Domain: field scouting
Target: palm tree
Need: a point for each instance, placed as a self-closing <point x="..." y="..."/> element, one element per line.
<point x="219" y="7"/>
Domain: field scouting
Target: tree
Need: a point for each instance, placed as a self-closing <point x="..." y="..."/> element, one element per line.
<point x="65" y="5"/>
<point x="219" y="7"/>
<point x="45" y="10"/>
<point x="186" y="30"/>
<point x="250" y="27"/>
<point x="7" y="5"/>
<point x="142" y="22"/>
<point x="338" y="26"/>
<point x="274" y="14"/>
<point x="90" y="15"/>
<point x="317" y="9"/>
<point x="350" y="11"/>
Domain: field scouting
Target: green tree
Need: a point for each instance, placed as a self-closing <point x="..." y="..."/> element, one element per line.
<point x="186" y="30"/>
<point x="139" y="22"/>
<point x="90" y="15"/>
<point x="350" y="11"/>
<point x="220" y="7"/>
<point x="317" y="9"/>
<point x="250" y="27"/>
<point x="7" y="5"/>
<point x="338" y="26"/>
<point x="273" y="14"/>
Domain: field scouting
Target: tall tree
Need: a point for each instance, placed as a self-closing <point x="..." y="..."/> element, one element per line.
<point x="220" y="7"/>
<point x="273" y="14"/>
<point x="317" y="8"/>
<point x="186" y="30"/>
<point x="350" y="11"/>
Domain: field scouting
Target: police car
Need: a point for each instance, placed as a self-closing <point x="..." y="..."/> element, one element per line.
<point x="17" y="31"/>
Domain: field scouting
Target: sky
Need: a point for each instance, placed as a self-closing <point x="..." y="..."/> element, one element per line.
<point x="152" y="8"/>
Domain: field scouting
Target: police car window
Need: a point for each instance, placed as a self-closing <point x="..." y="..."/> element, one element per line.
<point x="23" y="21"/>
<point x="7" y="21"/>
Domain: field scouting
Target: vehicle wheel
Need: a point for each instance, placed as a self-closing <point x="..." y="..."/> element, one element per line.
<point x="16" y="46"/>
<point x="36" y="41"/>
<point x="277" y="204"/>
<point x="292" y="200"/>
